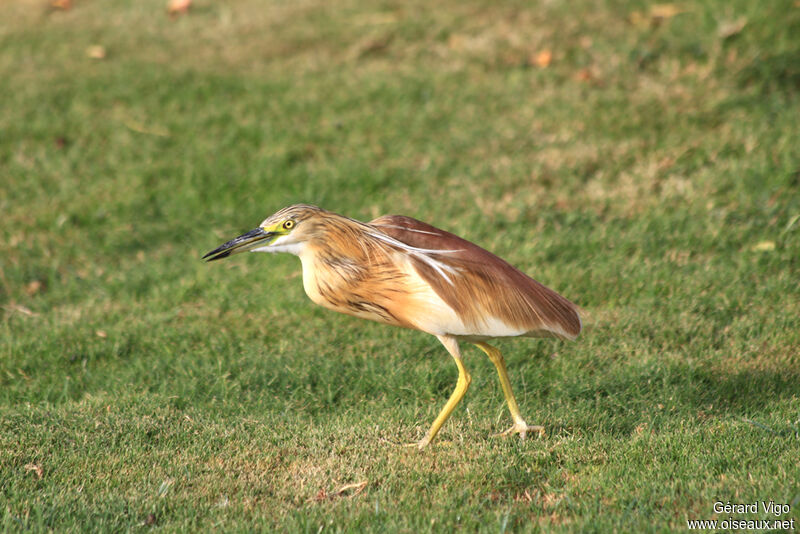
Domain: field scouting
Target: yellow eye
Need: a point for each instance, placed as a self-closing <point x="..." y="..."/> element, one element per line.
<point x="288" y="225"/>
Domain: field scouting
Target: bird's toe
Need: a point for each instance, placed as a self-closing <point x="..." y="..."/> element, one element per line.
<point x="522" y="428"/>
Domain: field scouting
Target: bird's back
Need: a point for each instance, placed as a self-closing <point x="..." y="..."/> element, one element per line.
<point x="491" y="297"/>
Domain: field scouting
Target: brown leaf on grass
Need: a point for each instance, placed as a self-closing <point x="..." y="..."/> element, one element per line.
<point x="763" y="246"/>
<point x="371" y="45"/>
<point x="524" y="497"/>
<point x="588" y="75"/>
<point x="657" y="14"/>
<point x="665" y="11"/>
<point x="35" y="468"/>
<point x="20" y="309"/>
<point x="584" y="75"/>
<point x="61" y="4"/>
<point x="637" y="18"/>
<point x="34" y="287"/>
<point x="455" y="42"/>
<point x="96" y="52"/>
<point x="542" y="59"/>
<point x="178" y="7"/>
<point x="729" y="28"/>
<point x="357" y="486"/>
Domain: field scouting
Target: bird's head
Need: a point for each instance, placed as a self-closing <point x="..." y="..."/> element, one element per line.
<point x="285" y="231"/>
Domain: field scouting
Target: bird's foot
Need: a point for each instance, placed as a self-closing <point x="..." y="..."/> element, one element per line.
<point x="522" y="428"/>
<point x="424" y="442"/>
<point x="421" y="444"/>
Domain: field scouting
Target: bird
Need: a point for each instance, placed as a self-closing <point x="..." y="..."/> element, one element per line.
<point x="403" y="272"/>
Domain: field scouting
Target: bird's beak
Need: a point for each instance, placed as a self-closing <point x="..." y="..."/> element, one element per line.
<point x="242" y="243"/>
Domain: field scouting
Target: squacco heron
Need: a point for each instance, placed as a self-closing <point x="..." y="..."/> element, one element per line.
<point x="400" y="271"/>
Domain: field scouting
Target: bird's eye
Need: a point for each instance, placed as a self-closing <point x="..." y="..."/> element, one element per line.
<point x="288" y="225"/>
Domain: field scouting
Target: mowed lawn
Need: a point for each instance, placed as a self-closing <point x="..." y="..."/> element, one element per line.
<point x="642" y="159"/>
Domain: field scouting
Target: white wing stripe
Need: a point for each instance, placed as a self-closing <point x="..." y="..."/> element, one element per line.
<point x="409" y="248"/>
<point x="422" y="254"/>
<point x="408" y="229"/>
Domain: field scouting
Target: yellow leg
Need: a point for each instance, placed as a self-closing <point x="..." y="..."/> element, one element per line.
<point x="520" y="426"/>
<point x="464" y="380"/>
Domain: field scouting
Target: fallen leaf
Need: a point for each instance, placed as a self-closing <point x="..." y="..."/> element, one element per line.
<point x="34" y="287"/>
<point x="543" y="58"/>
<point x="637" y="18"/>
<point x="178" y="7"/>
<point x="657" y="14"/>
<point x="665" y="11"/>
<point x="370" y="45"/>
<point x="35" y="468"/>
<point x="96" y="52"/>
<point x="20" y="309"/>
<point x="763" y="246"/>
<point x="61" y="4"/>
<point x="455" y="42"/>
<point x="358" y="487"/>
<point x="730" y="28"/>
<point x="584" y="75"/>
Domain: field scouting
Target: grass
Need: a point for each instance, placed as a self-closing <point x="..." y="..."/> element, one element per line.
<point x="650" y="171"/>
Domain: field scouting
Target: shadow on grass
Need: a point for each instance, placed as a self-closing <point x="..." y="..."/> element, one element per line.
<point x="623" y="403"/>
<point x="774" y="72"/>
<point x="742" y="391"/>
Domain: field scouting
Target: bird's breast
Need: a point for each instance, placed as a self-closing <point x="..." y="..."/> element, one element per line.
<point x="354" y="287"/>
<point x="389" y="291"/>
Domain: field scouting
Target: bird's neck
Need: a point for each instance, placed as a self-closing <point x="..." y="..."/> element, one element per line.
<point x="295" y="248"/>
<point x="291" y="248"/>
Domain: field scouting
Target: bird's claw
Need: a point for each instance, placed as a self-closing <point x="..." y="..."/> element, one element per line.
<point x="424" y="442"/>
<point x="522" y="428"/>
<point x="421" y="444"/>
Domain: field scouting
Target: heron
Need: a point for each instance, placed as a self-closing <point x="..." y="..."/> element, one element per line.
<point x="400" y="271"/>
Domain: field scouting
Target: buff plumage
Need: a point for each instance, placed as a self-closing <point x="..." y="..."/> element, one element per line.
<point x="403" y="272"/>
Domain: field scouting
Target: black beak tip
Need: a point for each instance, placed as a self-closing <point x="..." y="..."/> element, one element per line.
<point x="210" y="256"/>
<point x="226" y="249"/>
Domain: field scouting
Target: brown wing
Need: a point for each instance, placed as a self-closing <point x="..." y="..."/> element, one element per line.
<point x="481" y="284"/>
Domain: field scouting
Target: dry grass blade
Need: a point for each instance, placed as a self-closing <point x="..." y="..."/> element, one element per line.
<point x="356" y="488"/>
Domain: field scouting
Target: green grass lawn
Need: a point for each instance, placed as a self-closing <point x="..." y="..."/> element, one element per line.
<point x="642" y="160"/>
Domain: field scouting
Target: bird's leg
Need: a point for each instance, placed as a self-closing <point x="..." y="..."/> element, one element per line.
<point x="520" y="426"/>
<point x="462" y="384"/>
